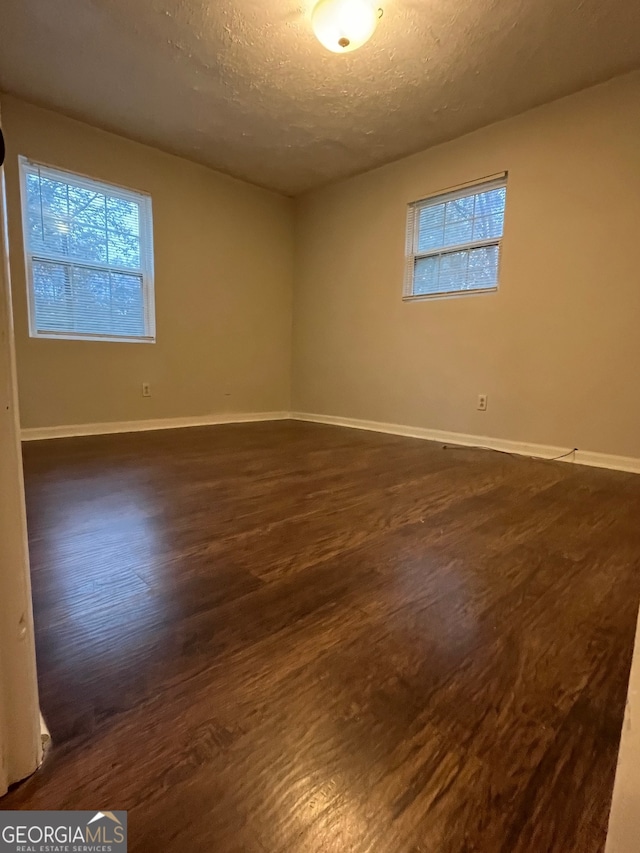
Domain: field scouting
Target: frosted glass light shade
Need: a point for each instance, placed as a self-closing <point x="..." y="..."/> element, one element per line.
<point x="344" y="25"/>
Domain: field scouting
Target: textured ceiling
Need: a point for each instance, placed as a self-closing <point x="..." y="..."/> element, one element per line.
<point x="243" y="85"/>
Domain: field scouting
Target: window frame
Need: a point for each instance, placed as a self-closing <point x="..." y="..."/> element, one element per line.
<point x="412" y="232"/>
<point x="144" y="202"/>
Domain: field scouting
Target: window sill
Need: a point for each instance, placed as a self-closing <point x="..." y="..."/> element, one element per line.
<point x="101" y="338"/>
<point x="450" y="294"/>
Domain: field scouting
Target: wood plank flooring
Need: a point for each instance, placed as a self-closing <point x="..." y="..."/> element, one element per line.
<point x="294" y="638"/>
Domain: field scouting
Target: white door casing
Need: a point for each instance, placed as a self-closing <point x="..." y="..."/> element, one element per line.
<point x="20" y="739"/>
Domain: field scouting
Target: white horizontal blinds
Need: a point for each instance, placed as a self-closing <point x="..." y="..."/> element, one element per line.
<point x="469" y="269"/>
<point x="89" y="253"/>
<point x="456" y="240"/>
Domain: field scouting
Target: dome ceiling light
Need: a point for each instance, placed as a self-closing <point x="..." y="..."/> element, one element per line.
<point x="344" y="25"/>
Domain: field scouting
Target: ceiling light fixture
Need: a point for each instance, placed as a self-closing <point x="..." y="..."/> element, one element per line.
<point x="344" y="25"/>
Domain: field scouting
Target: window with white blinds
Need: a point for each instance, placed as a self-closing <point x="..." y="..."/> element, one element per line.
<point x="453" y="241"/>
<point x="89" y="256"/>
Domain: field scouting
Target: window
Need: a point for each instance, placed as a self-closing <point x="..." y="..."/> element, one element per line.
<point x="453" y="241"/>
<point x="89" y="257"/>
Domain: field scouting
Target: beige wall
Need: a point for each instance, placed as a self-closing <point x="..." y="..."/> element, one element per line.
<point x="223" y="276"/>
<point x="557" y="349"/>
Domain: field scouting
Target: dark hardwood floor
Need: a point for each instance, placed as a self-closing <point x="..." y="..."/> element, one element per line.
<point x="292" y="638"/>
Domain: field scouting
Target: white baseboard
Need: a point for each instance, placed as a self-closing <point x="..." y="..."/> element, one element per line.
<point x="72" y="430"/>
<point x="521" y="448"/>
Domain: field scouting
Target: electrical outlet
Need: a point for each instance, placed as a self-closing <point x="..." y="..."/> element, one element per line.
<point x="482" y="402"/>
<point x="146" y="389"/>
